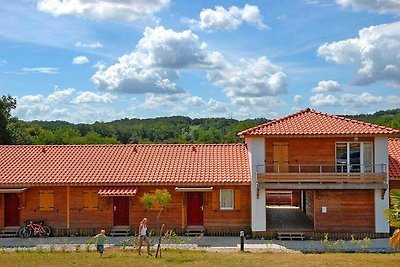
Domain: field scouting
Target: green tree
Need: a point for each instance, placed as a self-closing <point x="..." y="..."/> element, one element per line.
<point x="7" y="103"/>
<point x="393" y="215"/>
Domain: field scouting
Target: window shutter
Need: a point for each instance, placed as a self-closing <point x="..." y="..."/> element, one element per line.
<point x="86" y="199"/>
<point x="238" y="200"/>
<point x="94" y="202"/>
<point x="215" y="199"/>
<point x="50" y="200"/>
<point x="42" y="200"/>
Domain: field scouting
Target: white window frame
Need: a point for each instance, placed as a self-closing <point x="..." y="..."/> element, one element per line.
<point x="363" y="168"/>
<point x="232" y="207"/>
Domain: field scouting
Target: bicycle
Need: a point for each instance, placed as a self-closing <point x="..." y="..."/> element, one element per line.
<point x="34" y="229"/>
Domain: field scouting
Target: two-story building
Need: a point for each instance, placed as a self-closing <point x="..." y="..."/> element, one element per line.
<point x="334" y="169"/>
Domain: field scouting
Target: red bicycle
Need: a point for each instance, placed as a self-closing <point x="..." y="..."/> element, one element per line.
<point x="34" y="229"/>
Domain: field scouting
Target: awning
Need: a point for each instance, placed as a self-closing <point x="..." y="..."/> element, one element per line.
<point x="13" y="190"/>
<point x="193" y="189"/>
<point x="118" y="191"/>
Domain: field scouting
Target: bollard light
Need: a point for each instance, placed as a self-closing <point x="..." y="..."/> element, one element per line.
<point x="241" y="240"/>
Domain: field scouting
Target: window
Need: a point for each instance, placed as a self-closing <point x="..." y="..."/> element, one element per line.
<point x="226" y="199"/>
<point x="46" y="200"/>
<point x="90" y="200"/>
<point x="354" y="157"/>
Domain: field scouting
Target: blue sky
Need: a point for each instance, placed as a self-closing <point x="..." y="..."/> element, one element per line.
<point x="86" y="60"/>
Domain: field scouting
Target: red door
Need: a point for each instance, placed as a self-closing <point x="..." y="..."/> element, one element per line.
<point x="121" y="211"/>
<point x="195" y="208"/>
<point x="11" y="210"/>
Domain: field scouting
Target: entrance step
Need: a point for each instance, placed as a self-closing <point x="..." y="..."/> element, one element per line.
<point x="9" y="232"/>
<point x="290" y="236"/>
<point x="120" y="231"/>
<point x="194" y="230"/>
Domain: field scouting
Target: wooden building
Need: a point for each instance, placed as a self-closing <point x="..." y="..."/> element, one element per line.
<point x="78" y="189"/>
<point x="339" y="165"/>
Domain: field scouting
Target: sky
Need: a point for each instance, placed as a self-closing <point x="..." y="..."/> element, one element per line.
<point x="100" y="60"/>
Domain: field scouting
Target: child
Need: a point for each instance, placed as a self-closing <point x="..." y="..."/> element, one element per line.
<point x="100" y="240"/>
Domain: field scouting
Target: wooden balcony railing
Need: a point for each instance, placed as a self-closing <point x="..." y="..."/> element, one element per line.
<point x="322" y="173"/>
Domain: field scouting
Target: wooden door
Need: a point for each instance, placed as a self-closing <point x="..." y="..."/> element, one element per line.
<point x="121" y="211"/>
<point x="11" y="210"/>
<point x="195" y="208"/>
<point x="281" y="157"/>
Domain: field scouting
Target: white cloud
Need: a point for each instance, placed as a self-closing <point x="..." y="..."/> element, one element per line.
<point x="127" y="10"/>
<point x="43" y="70"/>
<point x="376" y="53"/>
<point x="80" y="60"/>
<point x="88" y="45"/>
<point x="227" y="19"/>
<point x="364" y="99"/>
<point x="324" y="100"/>
<point x="67" y="104"/>
<point x="216" y="107"/>
<point x="376" y="6"/>
<point x="90" y="97"/>
<point x="250" y="78"/>
<point x="298" y="100"/>
<point x="327" y="86"/>
<point x="194" y="101"/>
<point x="153" y="66"/>
<point x="346" y="100"/>
<point x="60" y="95"/>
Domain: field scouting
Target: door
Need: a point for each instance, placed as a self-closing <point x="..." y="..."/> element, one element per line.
<point x="281" y="157"/>
<point x="195" y="208"/>
<point x="121" y="211"/>
<point x="11" y="210"/>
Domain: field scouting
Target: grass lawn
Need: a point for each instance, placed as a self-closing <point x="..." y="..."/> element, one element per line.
<point x="194" y="258"/>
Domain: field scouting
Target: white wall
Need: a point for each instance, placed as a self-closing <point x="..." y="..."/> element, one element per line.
<point x="381" y="157"/>
<point x="256" y="147"/>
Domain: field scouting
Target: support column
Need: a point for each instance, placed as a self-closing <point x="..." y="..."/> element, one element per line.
<point x="381" y="200"/>
<point x="256" y="152"/>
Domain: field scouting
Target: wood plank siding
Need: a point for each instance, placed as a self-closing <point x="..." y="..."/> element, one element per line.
<point x="346" y="210"/>
<point x="174" y="215"/>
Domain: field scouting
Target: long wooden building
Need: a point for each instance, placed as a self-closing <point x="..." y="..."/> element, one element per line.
<point x="78" y="189"/>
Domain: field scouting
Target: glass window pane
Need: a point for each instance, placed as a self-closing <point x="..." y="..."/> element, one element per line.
<point x="341" y="157"/>
<point x="367" y="157"/>
<point x="226" y="199"/>
<point x="355" y="157"/>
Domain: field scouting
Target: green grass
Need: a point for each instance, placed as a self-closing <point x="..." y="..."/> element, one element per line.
<point x="194" y="258"/>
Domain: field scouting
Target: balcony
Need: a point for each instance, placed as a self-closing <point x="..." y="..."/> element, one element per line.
<point x="322" y="176"/>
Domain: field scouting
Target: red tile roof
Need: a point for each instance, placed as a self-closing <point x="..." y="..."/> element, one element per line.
<point x="113" y="165"/>
<point x="311" y="122"/>
<point x="110" y="191"/>
<point x="394" y="158"/>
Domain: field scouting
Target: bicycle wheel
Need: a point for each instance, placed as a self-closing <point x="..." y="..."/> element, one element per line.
<point x="45" y="232"/>
<point x="25" y="232"/>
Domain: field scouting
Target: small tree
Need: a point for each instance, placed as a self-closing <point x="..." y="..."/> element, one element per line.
<point x="393" y="215"/>
<point x="157" y="200"/>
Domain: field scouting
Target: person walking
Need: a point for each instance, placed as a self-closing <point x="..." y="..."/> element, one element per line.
<point x="143" y="236"/>
<point x="100" y="239"/>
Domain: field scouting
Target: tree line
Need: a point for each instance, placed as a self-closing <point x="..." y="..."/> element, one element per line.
<point x="175" y="129"/>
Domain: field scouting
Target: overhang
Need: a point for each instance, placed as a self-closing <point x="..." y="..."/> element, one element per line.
<point x="118" y="191"/>
<point x="13" y="190"/>
<point x="193" y="189"/>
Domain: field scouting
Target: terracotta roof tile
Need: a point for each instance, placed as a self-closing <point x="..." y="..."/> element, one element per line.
<point x="124" y="164"/>
<point x="311" y="122"/>
<point x="394" y="158"/>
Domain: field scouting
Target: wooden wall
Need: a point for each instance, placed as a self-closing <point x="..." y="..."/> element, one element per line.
<point x="347" y="210"/>
<point x="174" y="215"/>
<point x="308" y="150"/>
